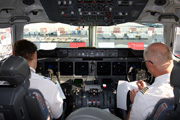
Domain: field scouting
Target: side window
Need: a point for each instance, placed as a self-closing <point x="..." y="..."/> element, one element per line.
<point x="5" y="43"/>
<point x="177" y="43"/>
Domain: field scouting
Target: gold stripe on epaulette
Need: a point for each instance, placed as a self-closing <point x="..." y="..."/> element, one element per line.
<point x="144" y="90"/>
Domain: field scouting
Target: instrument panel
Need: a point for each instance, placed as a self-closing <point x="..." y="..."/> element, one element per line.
<point x="116" y="70"/>
<point x="89" y="53"/>
<point x="88" y="63"/>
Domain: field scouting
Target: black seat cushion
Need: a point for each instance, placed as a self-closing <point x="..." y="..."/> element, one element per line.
<point x="15" y="70"/>
<point x="175" y="76"/>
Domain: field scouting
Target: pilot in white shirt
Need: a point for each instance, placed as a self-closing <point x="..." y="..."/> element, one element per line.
<point x="52" y="93"/>
<point x="158" y="60"/>
<point x="146" y="99"/>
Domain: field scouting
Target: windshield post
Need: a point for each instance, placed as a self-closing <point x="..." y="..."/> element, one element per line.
<point x="92" y="36"/>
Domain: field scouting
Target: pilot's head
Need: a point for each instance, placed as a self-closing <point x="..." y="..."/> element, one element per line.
<point x="158" y="59"/>
<point x="27" y="50"/>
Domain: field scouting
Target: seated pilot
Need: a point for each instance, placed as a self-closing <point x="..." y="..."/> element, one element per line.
<point x="52" y="93"/>
<point x="158" y="60"/>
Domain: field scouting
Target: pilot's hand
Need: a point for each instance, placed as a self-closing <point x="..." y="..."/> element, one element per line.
<point x="140" y="84"/>
<point x="132" y="95"/>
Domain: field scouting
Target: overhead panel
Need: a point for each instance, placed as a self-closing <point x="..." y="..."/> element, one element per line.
<point x="93" y="12"/>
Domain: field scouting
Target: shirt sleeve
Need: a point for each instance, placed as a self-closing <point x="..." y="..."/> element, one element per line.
<point x="138" y="110"/>
<point x="53" y="98"/>
<point x="56" y="103"/>
<point x="51" y="93"/>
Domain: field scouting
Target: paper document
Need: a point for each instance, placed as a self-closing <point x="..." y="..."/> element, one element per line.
<point x="122" y="90"/>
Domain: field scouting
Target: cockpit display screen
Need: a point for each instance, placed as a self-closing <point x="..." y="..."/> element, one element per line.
<point x="103" y="68"/>
<point x="119" y="68"/>
<point x="66" y="68"/>
<point x="81" y="68"/>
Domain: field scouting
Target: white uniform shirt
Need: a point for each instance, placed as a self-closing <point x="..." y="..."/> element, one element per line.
<point x="144" y="103"/>
<point x="50" y="91"/>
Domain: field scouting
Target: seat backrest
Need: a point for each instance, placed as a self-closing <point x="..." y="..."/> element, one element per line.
<point x="169" y="108"/>
<point x="14" y="93"/>
<point x="175" y="82"/>
<point x="164" y="110"/>
<point x="36" y="105"/>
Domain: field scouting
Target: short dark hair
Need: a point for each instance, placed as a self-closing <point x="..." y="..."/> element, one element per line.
<point x="24" y="48"/>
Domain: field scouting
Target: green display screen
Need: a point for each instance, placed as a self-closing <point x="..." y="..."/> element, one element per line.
<point x="78" y="81"/>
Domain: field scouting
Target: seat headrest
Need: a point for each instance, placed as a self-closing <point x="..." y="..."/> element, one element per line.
<point x="175" y="76"/>
<point x="14" y="70"/>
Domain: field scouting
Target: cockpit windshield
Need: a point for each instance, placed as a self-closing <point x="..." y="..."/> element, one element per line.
<point x="129" y="35"/>
<point x="126" y="35"/>
<point x="56" y="35"/>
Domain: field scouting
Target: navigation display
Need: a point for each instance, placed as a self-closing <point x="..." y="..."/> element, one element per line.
<point x="119" y="68"/>
<point x="81" y="68"/>
<point x="103" y="68"/>
<point x="66" y="68"/>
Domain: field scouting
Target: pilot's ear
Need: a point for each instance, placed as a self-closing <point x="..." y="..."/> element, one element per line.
<point x="149" y="64"/>
<point x="35" y="55"/>
<point x="150" y="67"/>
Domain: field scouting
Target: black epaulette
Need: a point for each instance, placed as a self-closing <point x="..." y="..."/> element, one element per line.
<point x="144" y="90"/>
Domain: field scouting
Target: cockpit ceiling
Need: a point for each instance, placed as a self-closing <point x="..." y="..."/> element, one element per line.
<point x="89" y="12"/>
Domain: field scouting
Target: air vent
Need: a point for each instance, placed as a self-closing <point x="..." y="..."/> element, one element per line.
<point x="125" y="2"/>
<point x="160" y="2"/>
<point x="28" y="2"/>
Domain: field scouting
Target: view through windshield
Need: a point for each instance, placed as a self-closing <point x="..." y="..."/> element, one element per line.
<point x="126" y="35"/>
<point x="176" y="49"/>
<point x="50" y="36"/>
<point x="129" y="35"/>
<point x="5" y="42"/>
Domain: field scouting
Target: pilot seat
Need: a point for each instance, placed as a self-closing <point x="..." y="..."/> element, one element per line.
<point x="17" y="101"/>
<point x="169" y="108"/>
